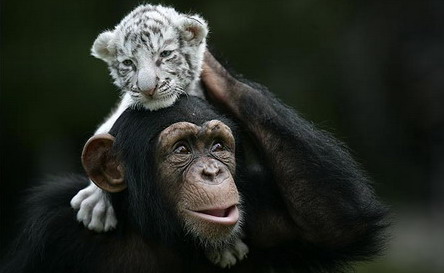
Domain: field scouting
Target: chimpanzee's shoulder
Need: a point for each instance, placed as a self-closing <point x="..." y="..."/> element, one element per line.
<point x="54" y="192"/>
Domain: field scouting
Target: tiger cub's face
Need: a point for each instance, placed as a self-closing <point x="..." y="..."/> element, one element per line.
<point x="154" y="54"/>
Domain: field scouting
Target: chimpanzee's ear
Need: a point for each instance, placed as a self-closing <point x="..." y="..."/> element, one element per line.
<point x="102" y="165"/>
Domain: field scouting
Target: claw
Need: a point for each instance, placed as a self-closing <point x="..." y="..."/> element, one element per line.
<point x="229" y="256"/>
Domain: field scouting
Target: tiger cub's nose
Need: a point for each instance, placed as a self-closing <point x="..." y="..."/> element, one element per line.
<point x="149" y="92"/>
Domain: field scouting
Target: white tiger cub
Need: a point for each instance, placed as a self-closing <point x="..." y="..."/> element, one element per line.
<point x="154" y="55"/>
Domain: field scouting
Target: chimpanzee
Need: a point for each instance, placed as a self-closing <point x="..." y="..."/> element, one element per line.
<point x="182" y="187"/>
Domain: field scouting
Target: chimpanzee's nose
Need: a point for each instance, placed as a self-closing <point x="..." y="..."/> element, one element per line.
<point x="211" y="171"/>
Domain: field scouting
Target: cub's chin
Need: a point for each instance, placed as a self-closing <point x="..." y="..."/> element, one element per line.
<point x="157" y="102"/>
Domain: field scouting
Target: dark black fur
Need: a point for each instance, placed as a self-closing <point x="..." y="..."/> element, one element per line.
<point x="308" y="206"/>
<point x="136" y="135"/>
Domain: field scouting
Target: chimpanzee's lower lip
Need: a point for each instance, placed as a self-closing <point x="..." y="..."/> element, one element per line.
<point x="225" y="216"/>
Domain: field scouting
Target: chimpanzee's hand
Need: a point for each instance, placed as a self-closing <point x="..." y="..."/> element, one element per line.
<point x="222" y="88"/>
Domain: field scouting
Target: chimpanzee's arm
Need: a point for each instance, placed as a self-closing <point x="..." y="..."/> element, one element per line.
<point x="329" y="203"/>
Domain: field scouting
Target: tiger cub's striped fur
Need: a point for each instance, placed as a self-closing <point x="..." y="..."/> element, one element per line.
<point x="154" y="54"/>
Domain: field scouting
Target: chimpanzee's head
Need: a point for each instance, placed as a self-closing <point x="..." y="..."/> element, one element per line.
<point x="172" y="172"/>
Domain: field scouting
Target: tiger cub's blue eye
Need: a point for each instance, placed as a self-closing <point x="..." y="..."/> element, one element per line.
<point x="165" y="53"/>
<point x="127" y="62"/>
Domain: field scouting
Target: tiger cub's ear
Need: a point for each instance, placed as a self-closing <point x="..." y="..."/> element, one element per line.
<point x="104" y="47"/>
<point x="194" y="29"/>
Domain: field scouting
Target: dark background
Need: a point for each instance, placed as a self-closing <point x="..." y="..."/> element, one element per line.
<point x="372" y="72"/>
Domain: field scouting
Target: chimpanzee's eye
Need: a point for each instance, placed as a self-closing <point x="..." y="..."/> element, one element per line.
<point x="182" y="149"/>
<point x="165" y="53"/>
<point x="217" y="147"/>
<point x="127" y="62"/>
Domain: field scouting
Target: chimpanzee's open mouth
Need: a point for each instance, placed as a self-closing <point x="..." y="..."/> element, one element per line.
<point x="226" y="216"/>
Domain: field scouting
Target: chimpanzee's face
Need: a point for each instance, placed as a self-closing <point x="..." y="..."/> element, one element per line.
<point x="183" y="174"/>
<point x="196" y="165"/>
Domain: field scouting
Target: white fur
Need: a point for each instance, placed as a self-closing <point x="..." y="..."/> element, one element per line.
<point x="95" y="211"/>
<point x="229" y="256"/>
<point x="114" y="47"/>
<point x="124" y="103"/>
<point x="102" y="48"/>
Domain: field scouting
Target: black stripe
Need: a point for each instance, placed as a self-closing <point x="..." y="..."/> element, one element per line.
<point x="126" y="36"/>
<point x="164" y="16"/>
<point x="147" y="34"/>
<point x="154" y="29"/>
<point x="142" y="11"/>
<point x="188" y="60"/>
<point x="148" y="41"/>
<point x="181" y="42"/>
<point x="157" y="21"/>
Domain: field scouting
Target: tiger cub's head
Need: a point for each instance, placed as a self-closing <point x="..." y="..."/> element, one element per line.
<point x="154" y="54"/>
